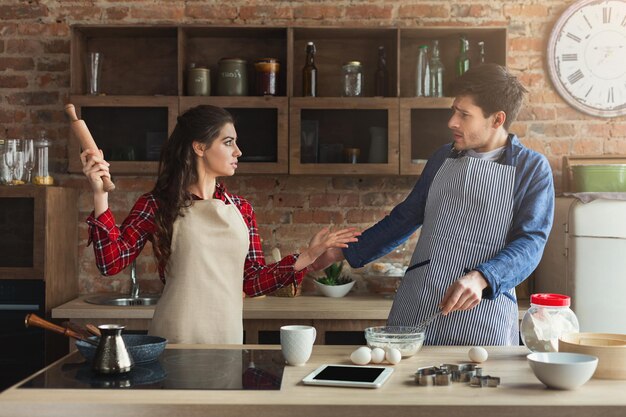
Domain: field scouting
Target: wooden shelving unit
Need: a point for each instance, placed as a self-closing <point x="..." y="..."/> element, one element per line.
<point x="144" y="77"/>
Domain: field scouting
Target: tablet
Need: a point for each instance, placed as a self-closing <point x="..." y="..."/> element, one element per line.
<point x="349" y="376"/>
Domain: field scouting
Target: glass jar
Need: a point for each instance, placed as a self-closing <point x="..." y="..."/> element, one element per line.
<point x="42" y="174"/>
<point x="232" y="77"/>
<point x="267" y="70"/>
<point x="548" y="317"/>
<point x="352" y="74"/>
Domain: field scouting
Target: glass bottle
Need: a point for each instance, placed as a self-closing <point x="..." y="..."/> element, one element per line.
<point x="481" y="49"/>
<point x="422" y="73"/>
<point x="352" y="73"/>
<point x="436" y="72"/>
<point x="462" y="60"/>
<point x="382" y="76"/>
<point x="309" y="72"/>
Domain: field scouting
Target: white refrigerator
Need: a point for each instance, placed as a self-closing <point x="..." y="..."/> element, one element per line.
<point x="585" y="258"/>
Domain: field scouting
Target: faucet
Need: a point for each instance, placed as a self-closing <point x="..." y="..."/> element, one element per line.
<point x="134" y="290"/>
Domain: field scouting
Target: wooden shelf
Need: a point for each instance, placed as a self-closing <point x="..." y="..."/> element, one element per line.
<point x="343" y="123"/>
<point x="144" y="73"/>
<point x="120" y="124"/>
<point x="262" y="130"/>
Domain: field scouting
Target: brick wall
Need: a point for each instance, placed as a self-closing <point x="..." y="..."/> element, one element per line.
<point x="34" y="80"/>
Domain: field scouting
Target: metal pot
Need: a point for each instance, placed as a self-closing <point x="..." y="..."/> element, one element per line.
<point x="112" y="356"/>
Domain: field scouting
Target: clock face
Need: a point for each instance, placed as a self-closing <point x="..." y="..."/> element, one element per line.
<point x="587" y="56"/>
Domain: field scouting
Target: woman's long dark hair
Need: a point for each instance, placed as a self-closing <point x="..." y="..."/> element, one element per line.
<point x="177" y="170"/>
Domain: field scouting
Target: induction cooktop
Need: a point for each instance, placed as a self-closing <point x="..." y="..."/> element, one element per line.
<point x="195" y="369"/>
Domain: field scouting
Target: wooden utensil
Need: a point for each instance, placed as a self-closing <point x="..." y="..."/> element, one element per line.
<point x="81" y="132"/>
<point x="93" y="330"/>
<point x="36" y="321"/>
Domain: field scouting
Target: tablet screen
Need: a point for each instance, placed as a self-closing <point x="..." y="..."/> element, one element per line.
<point x="349" y="373"/>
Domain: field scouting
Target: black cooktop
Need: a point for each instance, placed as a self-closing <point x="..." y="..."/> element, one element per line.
<point x="199" y="369"/>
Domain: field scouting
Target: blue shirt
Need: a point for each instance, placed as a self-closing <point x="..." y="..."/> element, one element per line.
<point x="533" y="207"/>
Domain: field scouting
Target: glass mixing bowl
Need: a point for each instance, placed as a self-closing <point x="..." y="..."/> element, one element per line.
<point x="408" y="340"/>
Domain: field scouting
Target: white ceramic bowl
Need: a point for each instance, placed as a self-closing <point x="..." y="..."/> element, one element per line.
<point x="562" y="370"/>
<point x="335" y="291"/>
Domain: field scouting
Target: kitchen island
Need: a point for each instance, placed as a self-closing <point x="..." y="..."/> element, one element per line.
<point x="519" y="394"/>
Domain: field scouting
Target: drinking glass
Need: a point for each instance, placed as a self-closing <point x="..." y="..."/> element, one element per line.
<point x="94" y="69"/>
<point x="29" y="157"/>
<point x="12" y="159"/>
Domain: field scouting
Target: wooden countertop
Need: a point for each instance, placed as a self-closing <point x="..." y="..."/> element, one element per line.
<point x="520" y="394"/>
<point x="367" y="307"/>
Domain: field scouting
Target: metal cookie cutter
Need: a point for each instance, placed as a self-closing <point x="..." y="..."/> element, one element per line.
<point x="432" y="375"/>
<point x="426" y="376"/>
<point x="465" y="372"/>
<point x="485" y="381"/>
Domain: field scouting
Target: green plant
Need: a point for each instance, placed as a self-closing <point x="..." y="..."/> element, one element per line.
<point x="334" y="275"/>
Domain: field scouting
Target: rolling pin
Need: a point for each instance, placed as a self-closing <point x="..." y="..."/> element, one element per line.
<point x="81" y="132"/>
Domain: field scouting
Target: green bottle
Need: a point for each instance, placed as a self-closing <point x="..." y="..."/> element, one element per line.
<point x="463" y="61"/>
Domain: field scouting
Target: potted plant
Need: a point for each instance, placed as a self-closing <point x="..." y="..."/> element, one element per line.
<point x="334" y="283"/>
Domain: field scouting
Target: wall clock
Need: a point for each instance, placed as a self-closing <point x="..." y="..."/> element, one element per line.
<point x="587" y="56"/>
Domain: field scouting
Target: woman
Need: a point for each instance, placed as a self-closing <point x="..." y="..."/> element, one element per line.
<point x="205" y="239"/>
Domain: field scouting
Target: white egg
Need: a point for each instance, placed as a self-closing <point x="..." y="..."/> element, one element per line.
<point x="393" y="356"/>
<point x="361" y="356"/>
<point x="478" y="354"/>
<point x="378" y="355"/>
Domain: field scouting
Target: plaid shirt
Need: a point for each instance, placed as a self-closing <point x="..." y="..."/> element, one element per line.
<point x="116" y="247"/>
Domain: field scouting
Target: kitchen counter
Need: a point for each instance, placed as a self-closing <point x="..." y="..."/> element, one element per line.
<point x="308" y="307"/>
<point x="519" y="394"/>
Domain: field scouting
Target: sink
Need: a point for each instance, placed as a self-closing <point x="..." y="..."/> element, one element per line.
<point x="123" y="300"/>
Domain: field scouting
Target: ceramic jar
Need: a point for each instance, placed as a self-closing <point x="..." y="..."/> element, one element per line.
<point x="232" y="77"/>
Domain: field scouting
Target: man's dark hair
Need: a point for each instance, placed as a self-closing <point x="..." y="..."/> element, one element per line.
<point x="493" y="89"/>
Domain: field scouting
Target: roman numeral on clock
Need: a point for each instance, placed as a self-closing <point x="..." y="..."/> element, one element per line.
<point x="589" y="91"/>
<point x="573" y="37"/>
<point x="588" y="23"/>
<point x="575" y="77"/>
<point x="624" y="21"/>
<point x="606" y="15"/>
<point x="611" y="97"/>
<point x="569" y="57"/>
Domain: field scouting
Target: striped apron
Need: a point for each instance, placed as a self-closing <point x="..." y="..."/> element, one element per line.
<point x="468" y="215"/>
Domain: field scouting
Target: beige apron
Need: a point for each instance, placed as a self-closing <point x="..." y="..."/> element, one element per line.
<point x="201" y="301"/>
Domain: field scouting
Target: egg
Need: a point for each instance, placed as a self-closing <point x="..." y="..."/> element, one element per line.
<point x="361" y="356"/>
<point x="378" y="355"/>
<point x="478" y="354"/>
<point x="393" y="356"/>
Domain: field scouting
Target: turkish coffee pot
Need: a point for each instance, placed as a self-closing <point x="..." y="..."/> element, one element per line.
<point x="112" y="356"/>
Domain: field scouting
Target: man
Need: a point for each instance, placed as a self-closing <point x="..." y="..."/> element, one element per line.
<point x="485" y="205"/>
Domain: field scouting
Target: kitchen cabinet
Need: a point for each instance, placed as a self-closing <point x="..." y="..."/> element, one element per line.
<point x="143" y="90"/>
<point x="38" y="266"/>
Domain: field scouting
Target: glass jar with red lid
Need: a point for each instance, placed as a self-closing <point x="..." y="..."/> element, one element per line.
<point x="548" y="317"/>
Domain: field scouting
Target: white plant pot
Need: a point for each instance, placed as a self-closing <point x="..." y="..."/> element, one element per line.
<point x="334" y="291"/>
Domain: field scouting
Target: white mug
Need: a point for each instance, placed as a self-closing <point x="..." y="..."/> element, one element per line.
<point x="297" y="343"/>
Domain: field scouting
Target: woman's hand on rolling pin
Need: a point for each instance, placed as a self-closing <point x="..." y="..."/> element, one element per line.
<point x="324" y="240"/>
<point x="94" y="168"/>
